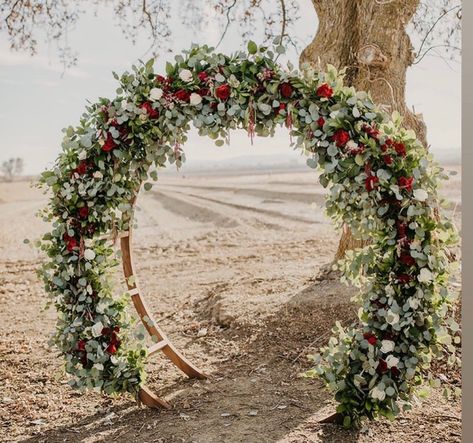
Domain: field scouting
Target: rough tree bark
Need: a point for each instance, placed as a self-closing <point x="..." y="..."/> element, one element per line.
<point x="369" y="38"/>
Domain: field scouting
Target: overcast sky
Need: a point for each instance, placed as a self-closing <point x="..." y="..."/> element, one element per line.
<point x="37" y="100"/>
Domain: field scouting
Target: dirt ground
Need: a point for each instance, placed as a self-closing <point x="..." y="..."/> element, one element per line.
<point x="229" y="266"/>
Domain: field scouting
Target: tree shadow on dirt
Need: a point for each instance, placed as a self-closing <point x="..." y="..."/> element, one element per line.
<point x="254" y="395"/>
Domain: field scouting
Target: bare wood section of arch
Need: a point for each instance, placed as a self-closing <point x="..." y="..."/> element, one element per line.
<point x="162" y="342"/>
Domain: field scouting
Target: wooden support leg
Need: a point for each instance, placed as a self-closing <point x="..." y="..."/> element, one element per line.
<point x="162" y="342"/>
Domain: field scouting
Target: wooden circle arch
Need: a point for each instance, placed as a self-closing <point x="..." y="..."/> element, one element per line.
<point x="162" y="342"/>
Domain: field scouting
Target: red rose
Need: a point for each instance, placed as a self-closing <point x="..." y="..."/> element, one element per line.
<point x="370" y="182"/>
<point x="81" y="345"/>
<point x="370" y="337"/>
<point x="109" y="143"/>
<point x="148" y="107"/>
<point x="182" y="95"/>
<point x="106" y="331"/>
<point x="160" y="79"/>
<point x="203" y="76"/>
<point x="382" y="367"/>
<point x="111" y="348"/>
<point x="281" y="107"/>
<point x="341" y="137"/>
<point x="404" y="278"/>
<point x="324" y="91"/>
<point x="405" y="183"/>
<point x="400" y="148"/>
<point x="407" y="259"/>
<point x="286" y="89"/>
<point x="223" y="92"/>
<point x="320" y="122"/>
<point x="71" y="242"/>
<point x="388" y="159"/>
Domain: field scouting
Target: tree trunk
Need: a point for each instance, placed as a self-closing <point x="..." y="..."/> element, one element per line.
<point x="369" y="38"/>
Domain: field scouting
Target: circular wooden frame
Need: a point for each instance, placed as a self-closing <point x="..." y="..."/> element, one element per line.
<point x="162" y="342"/>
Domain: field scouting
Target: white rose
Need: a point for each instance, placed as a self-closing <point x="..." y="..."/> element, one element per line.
<point x="220" y="78"/>
<point x="392" y="361"/>
<point x="155" y="94"/>
<point x="185" y="75"/>
<point x="387" y="346"/>
<point x="195" y="99"/>
<point x="413" y="302"/>
<point x="89" y="254"/>
<point x="98" y="366"/>
<point x="351" y="145"/>
<point x="392" y="318"/>
<point x="98" y="174"/>
<point x="378" y="392"/>
<point x="97" y="329"/>
<point x="425" y="276"/>
<point x="82" y="154"/>
<point x="421" y="195"/>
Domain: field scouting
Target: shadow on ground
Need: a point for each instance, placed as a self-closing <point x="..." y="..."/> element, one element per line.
<point x="253" y="395"/>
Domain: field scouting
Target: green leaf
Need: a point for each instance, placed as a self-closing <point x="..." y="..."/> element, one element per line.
<point x="252" y="47"/>
<point x="169" y="68"/>
<point x="219" y="142"/>
<point x="346" y="422"/>
<point x="148" y="186"/>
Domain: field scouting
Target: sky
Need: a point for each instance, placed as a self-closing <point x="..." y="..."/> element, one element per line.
<point x="37" y="99"/>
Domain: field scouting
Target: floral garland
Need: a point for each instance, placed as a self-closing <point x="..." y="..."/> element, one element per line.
<point x="382" y="183"/>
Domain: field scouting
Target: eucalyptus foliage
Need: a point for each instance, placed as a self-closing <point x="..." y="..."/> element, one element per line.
<point x="382" y="183"/>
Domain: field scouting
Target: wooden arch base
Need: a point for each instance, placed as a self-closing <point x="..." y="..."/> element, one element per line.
<point x="162" y="343"/>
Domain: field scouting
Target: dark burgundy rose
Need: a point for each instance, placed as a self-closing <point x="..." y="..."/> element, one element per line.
<point x="401" y="229"/>
<point x="405" y="183"/>
<point x="341" y="137"/>
<point x="286" y="89"/>
<point x="320" y="122"/>
<point x="395" y="371"/>
<point x="370" y="182"/>
<point x="223" y="92"/>
<point x="388" y="159"/>
<point x="203" y="76"/>
<point x="83" y="212"/>
<point x="109" y="144"/>
<point x="82" y="167"/>
<point x="148" y="107"/>
<point x="404" y="278"/>
<point x="400" y="148"/>
<point x="160" y="79"/>
<point x="407" y="259"/>
<point x="382" y="367"/>
<point x="370" y="337"/>
<point x="203" y="92"/>
<point x="214" y="105"/>
<point x="81" y="345"/>
<point x="182" y="95"/>
<point x="324" y="91"/>
<point x="389" y="336"/>
<point x="106" y="331"/>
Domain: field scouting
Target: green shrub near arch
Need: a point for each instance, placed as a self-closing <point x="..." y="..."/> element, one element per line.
<point x="381" y="182"/>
